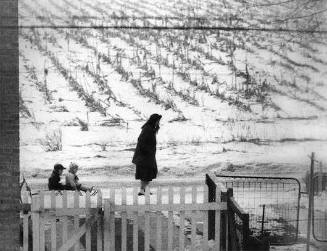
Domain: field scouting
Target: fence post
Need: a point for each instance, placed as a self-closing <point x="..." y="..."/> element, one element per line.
<point x="211" y="214"/>
<point x="320" y="179"/>
<point x="246" y="231"/>
<point x="229" y="220"/>
<point x="106" y="228"/>
<point x="263" y="219"/>
<point x="100" y="222"/>
<point x="310" y="193"/>
<point x="36" y="222"/>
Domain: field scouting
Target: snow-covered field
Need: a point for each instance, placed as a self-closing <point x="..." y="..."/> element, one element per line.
<point x="250" y="100"/>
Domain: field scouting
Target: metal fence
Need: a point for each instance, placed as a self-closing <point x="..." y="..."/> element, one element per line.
<point x="273" y="204"/>
<point x="319" y="212"/>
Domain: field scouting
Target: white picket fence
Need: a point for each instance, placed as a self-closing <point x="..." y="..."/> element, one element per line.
<point x="173" y="217"/>
<point x="60" y="216"/>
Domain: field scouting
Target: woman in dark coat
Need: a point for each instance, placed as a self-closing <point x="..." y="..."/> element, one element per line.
<point x="145" y="153"/>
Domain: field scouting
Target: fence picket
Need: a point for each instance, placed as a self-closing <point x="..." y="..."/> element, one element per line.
<point x="99" y="222"/>
<point x="42" y="222"/>
<point x="36" y="222"/>
<point x="106" y="227"/>
<point x="170" y="219"/>
<point x="226" y="231"/>
<point x="25" y="232"/>
<point x="123" y="222"/>
<point x="205" y="220"/>
<point x="182" y="219"/>
<point x="88" y="230"/>
<point x="147" y="222"/>
<point x="53" y="223"/>
<point x="65" y="219"/>
<point x="112" y="219"/>
<point x="76" y="219"/>
<point x="42" y="235"/>
<point x="159" y="202"/>
<point x="41" y="200"/>
<point x="320" y="227"/>
<point x="227" y="215"/>
<point x="320" y="186"/>
<point x="135" y="220"/>
<point x="193" y="220"/>
<point x="217" y="220"/>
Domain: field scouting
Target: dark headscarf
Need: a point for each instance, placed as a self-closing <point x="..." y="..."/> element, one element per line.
<point x="152" y="121"/>
<point x="58" y="167"/>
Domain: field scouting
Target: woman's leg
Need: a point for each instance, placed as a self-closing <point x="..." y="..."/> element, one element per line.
<point x="144" y="184"/>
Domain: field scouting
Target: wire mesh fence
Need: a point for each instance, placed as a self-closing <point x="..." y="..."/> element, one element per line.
<point x="320" y="206"/>
<point x="273" y="205"/>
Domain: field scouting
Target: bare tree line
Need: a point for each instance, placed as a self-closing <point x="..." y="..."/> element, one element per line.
<point x="296" y="14"/>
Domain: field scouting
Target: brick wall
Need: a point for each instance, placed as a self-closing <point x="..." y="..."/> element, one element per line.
<point x="9" y="126"/>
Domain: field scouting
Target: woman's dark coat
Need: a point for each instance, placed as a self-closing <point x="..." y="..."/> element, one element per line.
<point x="145" y="154"/>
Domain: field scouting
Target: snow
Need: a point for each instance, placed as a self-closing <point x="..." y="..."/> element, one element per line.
<point x="203" y="133"/>
<point x="320" y="202"/>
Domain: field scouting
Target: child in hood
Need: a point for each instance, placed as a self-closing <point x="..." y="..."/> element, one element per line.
<point x="54" y="180"/>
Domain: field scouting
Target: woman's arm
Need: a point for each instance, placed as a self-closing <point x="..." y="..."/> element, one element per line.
<point x="146" y="141"/>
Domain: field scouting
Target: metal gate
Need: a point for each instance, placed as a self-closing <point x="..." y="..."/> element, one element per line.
<point x="319" y="212"/>
<point x="273" y="204"/>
